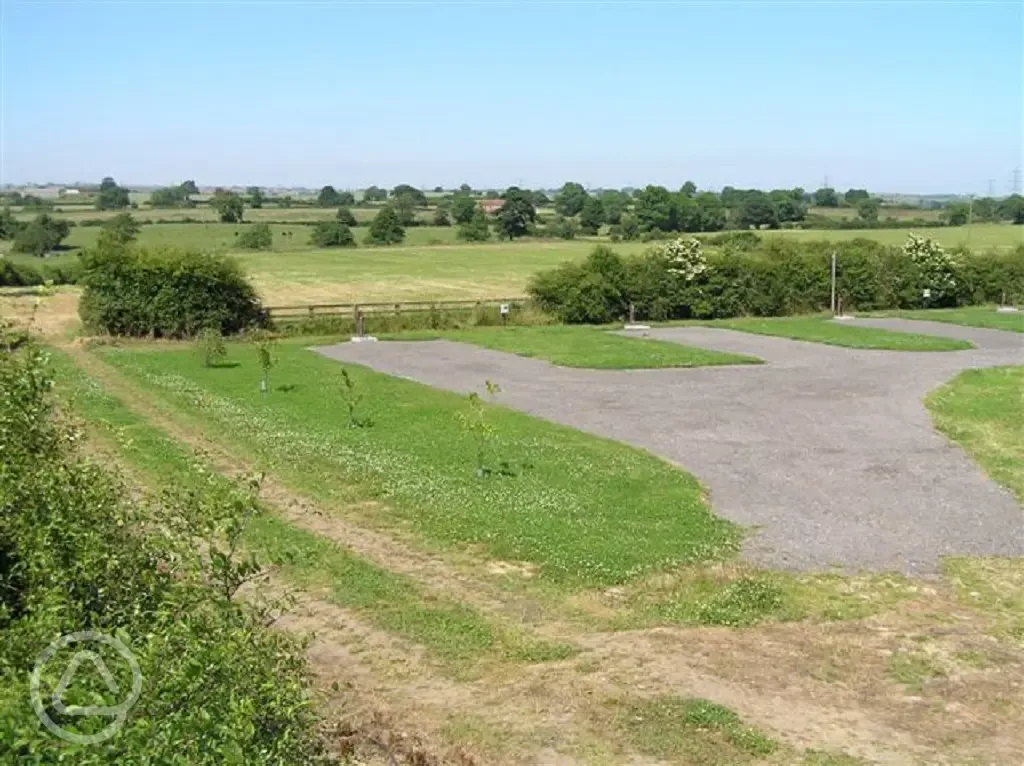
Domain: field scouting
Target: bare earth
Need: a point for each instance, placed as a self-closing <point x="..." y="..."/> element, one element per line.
<point x="828" y="453"/>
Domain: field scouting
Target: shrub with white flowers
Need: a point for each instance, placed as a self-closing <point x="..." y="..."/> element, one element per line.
<point x="685" y="258"/>
<point x="938" y="268"/>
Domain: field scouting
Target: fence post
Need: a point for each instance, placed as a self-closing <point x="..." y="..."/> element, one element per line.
<point x="359" y="321"/>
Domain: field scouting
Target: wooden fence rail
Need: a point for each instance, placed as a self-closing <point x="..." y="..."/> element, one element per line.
<point x="354" y="310"/>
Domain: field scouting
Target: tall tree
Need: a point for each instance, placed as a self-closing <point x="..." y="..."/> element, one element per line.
<point x="570" y="199"/>
<point x="656" y="209"/>
<point x="712" y="212"/>
<point x="853" y="196"/>
<point x="614" y="203"/>
<point x="826" y="197"/>
<point x="386" y="228"/>
<point x="517" y="214"/>
<point x="463" y="207"/>
<point x="476" y="229"/>
<point x="256" y="196"/>
<point x="419" y="199"/>
<point x="374" y="194"/>
<point x="592" y="216"/>
<point x="688" y="189"/>
<point x="328" y="197"/>
<point x="189" y="187"/>
<point x="111" y="196"/>
<point x="867" y="209"/>
<point x="757" y="210"/>
<point x="229" y="206"/>
<point x="344" y="215"/>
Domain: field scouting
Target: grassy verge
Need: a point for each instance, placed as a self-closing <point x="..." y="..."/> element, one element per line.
<point x="588" y="512"/>
<point x="974" y="316"/>
<point x="823" y="330"/>
<point x="983" y="412"/>
<point x="584" y="347"/>
<point x="453" y="632"/>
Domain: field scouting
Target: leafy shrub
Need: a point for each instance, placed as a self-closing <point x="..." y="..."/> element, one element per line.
<point x="476" y="229"/>
<point x="332" y="234"/>
<point x="20" y="274"/>
<point x="77" y="553"/>
<point x="210" y="347"/>
<point x="386" y="228"/>
<point x="936" y="268"/>
<point x="166" y="293"/>
<point x="41" y="236"/>
<point x="685" y="258"/>
<point x="345" y="216"/>
<point x="257" y="236"/>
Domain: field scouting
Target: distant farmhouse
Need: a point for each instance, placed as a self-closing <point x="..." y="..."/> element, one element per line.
<point x="491" y="206"/>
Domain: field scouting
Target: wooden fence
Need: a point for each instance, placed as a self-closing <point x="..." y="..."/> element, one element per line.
<point x="357" y="310"/>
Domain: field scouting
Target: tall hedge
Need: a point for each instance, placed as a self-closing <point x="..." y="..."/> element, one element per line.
<point x="774" y="278"/>
<point x="166" y="293"/>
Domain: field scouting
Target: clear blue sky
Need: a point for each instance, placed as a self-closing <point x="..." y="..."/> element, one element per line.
<point x="915" y="97"/>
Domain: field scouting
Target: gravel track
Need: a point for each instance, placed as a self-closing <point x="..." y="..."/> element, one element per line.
<point x="827" y="454"/>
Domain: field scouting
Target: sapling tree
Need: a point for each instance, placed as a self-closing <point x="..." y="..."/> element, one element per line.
<point x="475" y="422"/>
<point x="210" y="347"/>
<point x="267" y="359"/>
<point x="353" y="397"/>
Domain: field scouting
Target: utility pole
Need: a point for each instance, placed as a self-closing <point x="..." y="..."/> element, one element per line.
<point x="833" y="284"/>
<point x="991" y="188"/>
<point x="1015" y="184"/>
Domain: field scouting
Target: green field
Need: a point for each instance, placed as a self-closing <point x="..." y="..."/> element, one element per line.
<point x="824" y="330"/>
<point x="585" y="511"/>
<point x="586" y="347"/>
<point x="983" y="411"/>
<point x="970" y="316"/>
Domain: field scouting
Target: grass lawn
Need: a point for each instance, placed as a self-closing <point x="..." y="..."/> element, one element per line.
<point x="971" y="316"/>
<point x="823" y="330"/>
<point x="586" y="511"/>
<point x="980" y="237"/>
<point x="584" y="347"/>
<point x="983" y="412"/>
<point x="452" y="631"/>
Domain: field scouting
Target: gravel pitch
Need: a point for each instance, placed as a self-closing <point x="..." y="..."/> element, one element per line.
<point x="826" y="454"/>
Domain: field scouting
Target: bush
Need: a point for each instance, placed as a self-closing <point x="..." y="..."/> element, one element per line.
<point x="257" y="236"/>
<point x="41" y="236"/>
<point x="345" y="216"/>
<point x="166" y="293"/>
<point x="779" y="277"/>
<point x="76" y="553"/>
<point x="332" y="234"/>
<point x="476" y="229"/>
<point x="17" y="274"/>
<point x="386" y="228"/>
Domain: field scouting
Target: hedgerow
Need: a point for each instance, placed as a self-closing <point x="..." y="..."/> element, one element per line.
<point x="166" y="293"/>
<point x="77" y="553"/>
<point x="773" y="278"/>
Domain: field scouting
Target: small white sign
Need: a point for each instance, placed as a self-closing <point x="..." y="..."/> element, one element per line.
<point x="504" y="308"/>
<point x="927" y="293"/>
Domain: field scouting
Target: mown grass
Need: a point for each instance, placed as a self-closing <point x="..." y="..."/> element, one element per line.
<point x="972" y="316"/>
<point x="824" y="330"/>
<point x="588" y="512"/>
<point x="983" y="412"/>
<point x="693" y="731"/>
<point x="585" y="347"/>
<point x="452" y="632"/>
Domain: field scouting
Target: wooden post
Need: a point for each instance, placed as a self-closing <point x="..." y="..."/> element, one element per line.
<point x="359" y="321"/>
<point x="833" y="284"/>
<point x="632" y="313"/>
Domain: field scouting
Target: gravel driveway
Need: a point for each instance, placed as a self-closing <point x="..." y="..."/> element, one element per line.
<point x="827" y="454"/>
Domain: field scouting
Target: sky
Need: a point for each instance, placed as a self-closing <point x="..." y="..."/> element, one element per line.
<point x="891" y="96"/>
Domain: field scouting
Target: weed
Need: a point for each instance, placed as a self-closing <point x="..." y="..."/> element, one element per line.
<point x="744" y="602"/>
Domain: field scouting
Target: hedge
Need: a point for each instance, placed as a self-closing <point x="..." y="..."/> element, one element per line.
<point x="773" y="278"/>
<point x="18" y="273"/>
<point x="167" y="293"/>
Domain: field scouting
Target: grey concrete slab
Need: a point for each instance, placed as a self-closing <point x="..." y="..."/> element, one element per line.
<point x="827" y="454"/>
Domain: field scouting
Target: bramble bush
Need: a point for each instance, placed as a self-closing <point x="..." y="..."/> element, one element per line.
<point x="78" y="553"/>
<point x="257" y="236"/>
<point x="772" y="277"/>
<point x="167" y="293"/>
